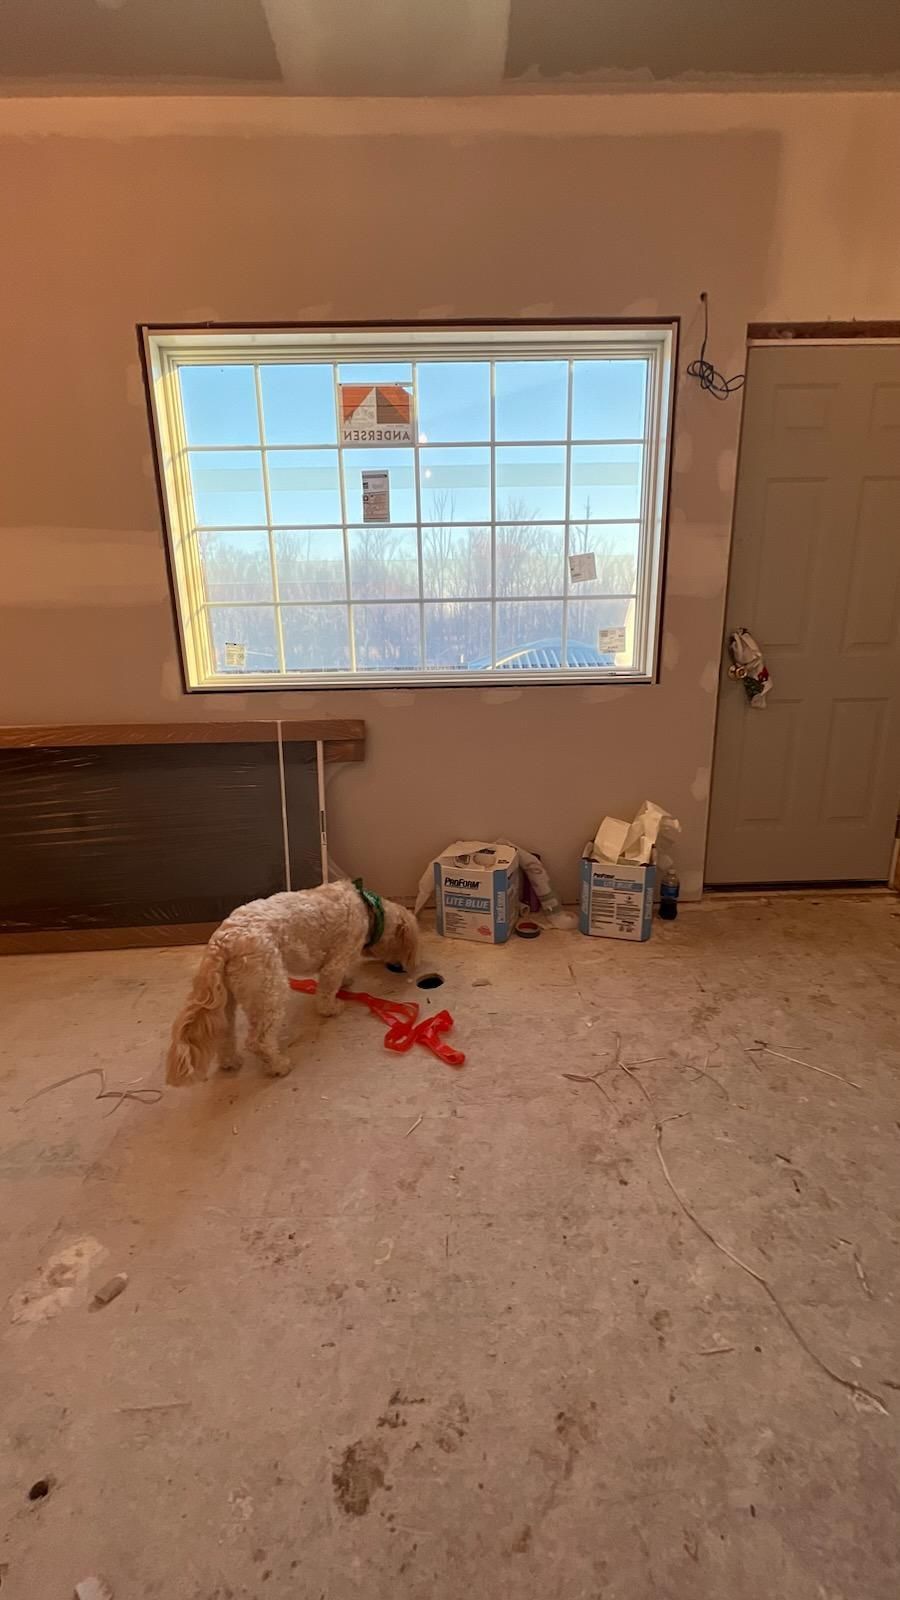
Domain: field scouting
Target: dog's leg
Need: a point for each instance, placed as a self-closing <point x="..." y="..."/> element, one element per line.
<point x="230" y="1060"/>
<point x="330" y="979"/>
<point x="351" y="968"/>
<point x="267" y="1045"/>
<point x="259" y="984"/>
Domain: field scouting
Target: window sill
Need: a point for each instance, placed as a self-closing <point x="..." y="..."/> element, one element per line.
<point x="299" y="682"/>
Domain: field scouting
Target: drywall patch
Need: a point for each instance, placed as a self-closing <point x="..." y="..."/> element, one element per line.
<point x="603" y="693"/>
<point x="540" y="308"/>
<point x="202" y="314"/>
<point x="684" y="453"/>
<point x="398" y="699"/>
<point x="671" y="652"/>
<point x="316" y="313"/>
<point x="700" y="785"/>
<point x="86" y="566"/>
<point x="646" y="307"/>
<point x="725" y="469"/>
<point x="709" y="677"/>
<point x="698" y="561"/>
<point x="500" y="697"/>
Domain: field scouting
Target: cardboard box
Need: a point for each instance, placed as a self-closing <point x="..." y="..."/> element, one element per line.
<point x="476" y="892"/>
<point x="616" y="899"/>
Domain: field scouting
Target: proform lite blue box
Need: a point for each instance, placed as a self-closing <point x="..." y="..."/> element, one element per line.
<point x="476" y="892"/>
<point x="616" y="899"/>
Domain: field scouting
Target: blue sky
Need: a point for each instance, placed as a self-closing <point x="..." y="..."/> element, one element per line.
<point x="531" y="403"/>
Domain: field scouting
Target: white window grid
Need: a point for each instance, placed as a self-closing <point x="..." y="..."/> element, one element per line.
<point x="168" y="353"/>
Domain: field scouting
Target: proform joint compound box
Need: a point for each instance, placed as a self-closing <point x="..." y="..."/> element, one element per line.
<point x="476" y="891"/>
<point x="616" y="899"/>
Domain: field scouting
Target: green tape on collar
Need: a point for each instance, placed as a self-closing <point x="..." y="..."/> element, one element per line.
<point x="376" y="909"/>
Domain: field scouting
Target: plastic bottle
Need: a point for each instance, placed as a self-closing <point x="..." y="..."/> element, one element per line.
<point x="668" y="895"/>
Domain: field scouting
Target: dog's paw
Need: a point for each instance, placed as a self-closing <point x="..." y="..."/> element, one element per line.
<point x="328" y="1008"/>
<point x="232" y="1064"/>
<point x="279" y="1068"/>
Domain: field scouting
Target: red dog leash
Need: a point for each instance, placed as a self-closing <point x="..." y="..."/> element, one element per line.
<point x="401" y="1016"/>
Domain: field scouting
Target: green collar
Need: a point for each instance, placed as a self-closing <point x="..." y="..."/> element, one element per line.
<point x="376" y="913"/>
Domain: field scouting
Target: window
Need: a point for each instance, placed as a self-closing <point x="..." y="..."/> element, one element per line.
<point x="422" y="505"/>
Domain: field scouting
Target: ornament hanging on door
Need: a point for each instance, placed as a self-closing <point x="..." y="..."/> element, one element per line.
<point x="748" y="666"/>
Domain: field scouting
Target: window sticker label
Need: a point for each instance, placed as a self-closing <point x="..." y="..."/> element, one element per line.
<point x="582" y="568"/>
<point x="235" y="655"/>
<point x="612" y="640"/>
<point x="376" y="413"/>
<point x="376" y="496"/>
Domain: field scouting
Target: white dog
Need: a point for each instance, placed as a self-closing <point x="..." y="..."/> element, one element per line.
<point x="249" y="958"/>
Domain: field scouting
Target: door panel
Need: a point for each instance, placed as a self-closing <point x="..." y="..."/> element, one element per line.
<point x="807" y="787"/>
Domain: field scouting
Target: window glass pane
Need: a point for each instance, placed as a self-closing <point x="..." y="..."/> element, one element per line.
<point x="384" y="563"/>
<point x="606" y="480"/>
<point x="376" y="372"/>
<point x="298" y="404"/>
<point x="456" y="562"/>
<point x="219" y="405"/>
<point x="252" y="630"/>
<point x="615" y="551"/>
<point x="529" y="559"/>
<point x="455" y="485"/>
<point x="529" y="634"/>
<point x="236" y="566"/>
<point x="517" y="465"/>
<point x="227" y="488"/>
<point x="530" y="399"/>
<point x="387" y="638"/>
<point x="458" y="637"/>
<point x="588" y="619"/>
<point x="398" y="464"/>
<point x="304" y="486"/>
<point x="310" y="563"/>
<point x="454" y="401"/>
<point x="316" y="638"/>
<point x="608" y="399"/>
<point x="531" y="484"/>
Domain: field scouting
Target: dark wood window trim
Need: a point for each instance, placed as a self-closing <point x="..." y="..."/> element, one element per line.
<point x="773" y="332"/>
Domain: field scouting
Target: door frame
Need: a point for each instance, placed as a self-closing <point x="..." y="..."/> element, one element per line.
<point x="806" y="333"/>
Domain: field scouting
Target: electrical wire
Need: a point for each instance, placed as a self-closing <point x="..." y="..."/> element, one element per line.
<point x="706" y="374"/>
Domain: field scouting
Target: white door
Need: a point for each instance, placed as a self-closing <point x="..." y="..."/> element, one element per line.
<point x="807" y="788"/>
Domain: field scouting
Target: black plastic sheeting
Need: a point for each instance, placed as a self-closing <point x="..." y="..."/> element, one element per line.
<point x="126" y="835"/>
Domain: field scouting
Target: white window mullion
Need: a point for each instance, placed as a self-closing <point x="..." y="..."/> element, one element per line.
<point x="267" y="494"/>
<point x="564" y="659"/>
<point x="493" y="520"/>
<point x="643" y="579"/>
<point x="346" y="536"/>
<point x="417" y="470"/>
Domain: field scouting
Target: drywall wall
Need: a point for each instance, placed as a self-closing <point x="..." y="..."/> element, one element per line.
<point x="142" y="210"/>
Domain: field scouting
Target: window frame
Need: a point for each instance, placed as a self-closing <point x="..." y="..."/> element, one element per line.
<point x="163" y="347"/>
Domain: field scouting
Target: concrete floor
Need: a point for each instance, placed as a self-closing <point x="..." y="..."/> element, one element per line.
<point x="490" y="1356"/>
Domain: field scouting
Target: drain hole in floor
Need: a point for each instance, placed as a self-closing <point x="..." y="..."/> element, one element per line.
<point x="429" y="980"/>
<point x="39" y="1490"/>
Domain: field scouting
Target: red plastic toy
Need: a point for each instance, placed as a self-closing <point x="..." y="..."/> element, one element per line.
<point x="401" y="1016"/>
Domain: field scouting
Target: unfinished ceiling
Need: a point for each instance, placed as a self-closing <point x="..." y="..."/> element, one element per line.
<point x="430" y="47"/>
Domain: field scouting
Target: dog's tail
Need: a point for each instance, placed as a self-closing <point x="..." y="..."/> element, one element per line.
<point x="200" y="1025"/>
